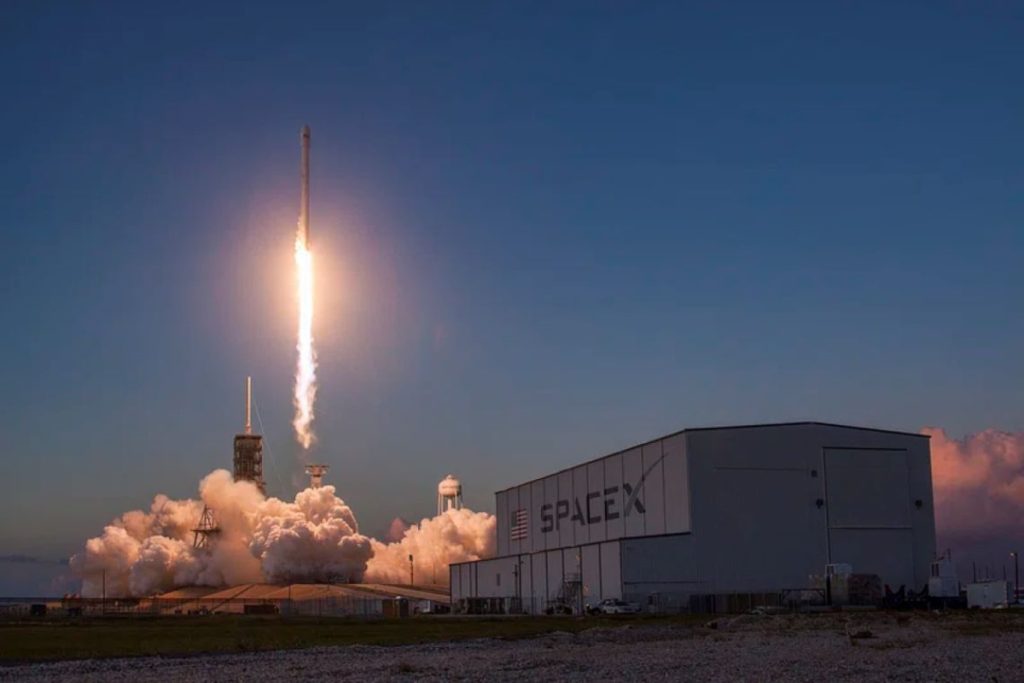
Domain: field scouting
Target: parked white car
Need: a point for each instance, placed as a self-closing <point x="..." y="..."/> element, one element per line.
<point x="615" y="606"/>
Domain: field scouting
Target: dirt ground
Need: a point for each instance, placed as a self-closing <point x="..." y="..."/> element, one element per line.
<point x="856" y="646"/>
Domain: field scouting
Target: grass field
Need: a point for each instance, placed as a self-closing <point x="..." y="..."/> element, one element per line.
<point x="54" y="639"/>
<point x="51" y="639"/>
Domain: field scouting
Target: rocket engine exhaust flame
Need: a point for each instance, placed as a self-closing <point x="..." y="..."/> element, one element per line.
<point x="305" y="371"/>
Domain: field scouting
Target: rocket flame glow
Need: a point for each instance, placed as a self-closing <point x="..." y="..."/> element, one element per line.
<point x="305" y="371"/>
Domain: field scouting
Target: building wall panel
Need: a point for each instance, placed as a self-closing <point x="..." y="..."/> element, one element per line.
<point x="580" y="489"/>
<point x="922" y="510"/>
<point x="539" y="577"/>
<point x="765" y="532"/>
<point x="525" y="503"/>
<point x="455" y="583"/>
<point x="660" y="571"/>
<point x="511" y="505"/>
<point x="611" y="572"/>
<point x="572" y="560"/>
<point x="677" y="485"/>
<point x="565" y="526"/>
<point x="638" y="492"/>
<point x="652" y="493"/>
<point x="632" y="506"/>
<point x="555" y="572"/>
<point x="591" y="556"/>
<point x="886" y="552"/>
<point x="868" y="488"/>
<point x="611" y="508"/>
<point x="525" y="568"/>
<point x="593" y="507"/>
<point x="536" y="537"/>
<point x="501" y="512"/>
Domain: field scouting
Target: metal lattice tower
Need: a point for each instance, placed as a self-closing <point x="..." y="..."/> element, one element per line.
<point x="206" y="531"/>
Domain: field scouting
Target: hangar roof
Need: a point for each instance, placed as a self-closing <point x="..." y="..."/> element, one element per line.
<point x="808" y="423"/>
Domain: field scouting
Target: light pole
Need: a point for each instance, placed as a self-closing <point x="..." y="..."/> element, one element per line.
<point x="1016" y="577"/>
<point x="515" y="585"/>
<point x="412" y="575"/>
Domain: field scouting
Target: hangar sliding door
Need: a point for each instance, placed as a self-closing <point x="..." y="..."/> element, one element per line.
<point x="869" y="524"/>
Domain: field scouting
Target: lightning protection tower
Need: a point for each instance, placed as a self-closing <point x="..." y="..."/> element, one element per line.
<point x="249" y="448"/>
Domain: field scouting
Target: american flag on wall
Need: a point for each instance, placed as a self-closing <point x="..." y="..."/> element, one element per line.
<point x="519" y="525"/>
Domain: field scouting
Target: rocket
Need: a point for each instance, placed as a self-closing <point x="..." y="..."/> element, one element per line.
<point x="304" y="201"/>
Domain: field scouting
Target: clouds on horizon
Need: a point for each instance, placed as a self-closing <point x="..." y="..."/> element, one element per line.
<point x="979" y="487"/>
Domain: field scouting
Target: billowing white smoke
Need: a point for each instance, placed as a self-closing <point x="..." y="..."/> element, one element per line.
<point x="396" y="530"/>
<point x="316" y="538"/>
<point x="979" y="484"/>
<point x="454" y="536"/>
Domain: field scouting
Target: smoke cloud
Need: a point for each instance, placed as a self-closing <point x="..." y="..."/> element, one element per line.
<point x="396" y="530"/>
<point x="979" y="485"/>
<point x="979" y="503"/>
<point x="313" y="539"/>
<point x="453" y="536"/>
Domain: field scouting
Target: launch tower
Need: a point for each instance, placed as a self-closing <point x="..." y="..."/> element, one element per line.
<point x="249" y="448"/>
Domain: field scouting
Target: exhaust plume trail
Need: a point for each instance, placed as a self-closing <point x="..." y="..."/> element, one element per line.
<point x="305" y="371"/>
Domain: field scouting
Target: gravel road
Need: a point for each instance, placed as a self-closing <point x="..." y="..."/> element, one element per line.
<point x="876" y="647"/>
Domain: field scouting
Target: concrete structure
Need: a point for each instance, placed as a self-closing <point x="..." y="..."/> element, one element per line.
<point x="727" y="511"/>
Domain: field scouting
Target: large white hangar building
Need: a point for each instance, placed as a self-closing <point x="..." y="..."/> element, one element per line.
<point x="713" y="512"/>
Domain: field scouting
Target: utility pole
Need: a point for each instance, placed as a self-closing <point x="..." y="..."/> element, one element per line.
<point x="1016" y="576"/>
<point x="412" y="575"/>
<point x="579" y="576"/>
<point x="515" y="579"/>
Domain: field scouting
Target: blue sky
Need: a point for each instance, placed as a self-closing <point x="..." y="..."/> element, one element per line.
<point x="542" y="232"/>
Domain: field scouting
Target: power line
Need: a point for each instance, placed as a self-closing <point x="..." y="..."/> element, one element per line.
<point x="266" y="444"/>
